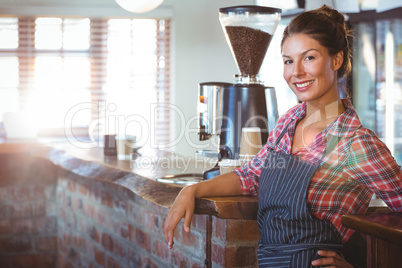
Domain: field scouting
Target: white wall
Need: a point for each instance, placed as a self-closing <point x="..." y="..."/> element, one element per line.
<point x="201" y="52"/>
<point x="202" y="55"/>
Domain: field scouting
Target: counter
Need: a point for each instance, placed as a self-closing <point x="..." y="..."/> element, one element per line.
<point x="83" y="209"/>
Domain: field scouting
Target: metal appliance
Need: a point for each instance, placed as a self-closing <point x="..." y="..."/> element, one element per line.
<point x="225" y="108"/>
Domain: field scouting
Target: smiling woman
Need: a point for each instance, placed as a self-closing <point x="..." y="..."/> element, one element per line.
<point x="52" y="64"/>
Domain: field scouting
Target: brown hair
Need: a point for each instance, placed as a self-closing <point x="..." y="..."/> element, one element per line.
<point x="327" y="26"/>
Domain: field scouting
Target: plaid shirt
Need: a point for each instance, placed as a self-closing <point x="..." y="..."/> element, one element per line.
<point x="347" y="177"/>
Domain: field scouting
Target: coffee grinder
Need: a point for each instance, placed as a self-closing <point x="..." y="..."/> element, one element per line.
<point x="225" y="108"/>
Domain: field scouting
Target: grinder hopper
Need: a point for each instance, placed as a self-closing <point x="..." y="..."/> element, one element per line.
<point x="248" y="31"/>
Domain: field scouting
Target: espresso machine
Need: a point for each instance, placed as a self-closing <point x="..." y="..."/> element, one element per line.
<point x="225" y="108"/>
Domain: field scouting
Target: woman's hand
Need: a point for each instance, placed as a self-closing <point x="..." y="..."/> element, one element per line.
<point x="183" y="207"/>
<point x="332" y="259"/>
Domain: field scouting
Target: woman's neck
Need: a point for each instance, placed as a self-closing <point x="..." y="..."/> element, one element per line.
<point x="323" y="115"/>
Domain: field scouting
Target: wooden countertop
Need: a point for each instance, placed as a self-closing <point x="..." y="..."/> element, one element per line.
<point x="384" y="225"/>
<point x="137" y="175"/>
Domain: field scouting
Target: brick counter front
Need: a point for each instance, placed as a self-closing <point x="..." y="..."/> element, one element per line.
<point x="62" y="207"/>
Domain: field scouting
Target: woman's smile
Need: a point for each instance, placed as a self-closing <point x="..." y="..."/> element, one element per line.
<point x="301" y="86"/>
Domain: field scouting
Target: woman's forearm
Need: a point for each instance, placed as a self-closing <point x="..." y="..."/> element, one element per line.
<point x="224" y="185"/>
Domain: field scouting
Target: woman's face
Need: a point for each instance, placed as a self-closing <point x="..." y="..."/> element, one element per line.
<point x="309" y="70"/>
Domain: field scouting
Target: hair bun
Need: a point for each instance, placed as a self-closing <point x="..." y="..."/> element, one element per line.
<point x="332" y="14"/>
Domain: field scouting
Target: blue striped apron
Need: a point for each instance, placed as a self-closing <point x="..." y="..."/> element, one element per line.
<point x="290" y="235"/>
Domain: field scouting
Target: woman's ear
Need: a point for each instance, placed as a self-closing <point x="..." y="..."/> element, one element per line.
<point x="337" y="60"/>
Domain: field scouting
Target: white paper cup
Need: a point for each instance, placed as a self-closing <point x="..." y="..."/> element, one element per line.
<point x="124" y="146"/>
<point x="250" y="143"/>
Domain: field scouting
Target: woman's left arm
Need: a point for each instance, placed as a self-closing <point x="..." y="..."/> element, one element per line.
<point x="373" y="165"/>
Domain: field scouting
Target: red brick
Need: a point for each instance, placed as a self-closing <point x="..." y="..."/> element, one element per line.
<point x="46" y="243"/>
<point x="60" y="195"/>
<point x="126" y="230"/>
<point x="111" y="263"/>
<point x="82" y="189"/>
<point x="89" y="210"/>
<point x="178" y="233"/>
<point x="139" y="213"/>
<point x="94" y="234"/>
<point x="191" y="240"/>
<point x="148" y="263"/>
<point x="99" y="256"/>
<point x="20" y="209"/>
<point x="5" y="192"/>
<point x="231" y="256"/>
<point x="73" y="256"/>
<point x="76" y="203"/>
<point x="44" y="225"/>
<point x="89" y="247"/>
<point x="67" y="201"/>
<point x="71" y="185"/>
<point x="21" y="193"/>
<point x="100" y="216"/>
<point x="62" y="247"/>
<point x="15" y="244"/>
<point x="120" y="206"/>
<point x="242" y="230"/>
<point x="61" y="213"/>
<point x="152" y="221"/>
<point x="37" y="192"/>
<point x="63" y="262"/>
<point x="50" y="191"/>
<point x="107" y="242"/>
<point x="143" y="239"/>
<point x="34" y="261"/>
<point x="94" y="193"/>
<point x="219" y="228"/>
<point x="198" y="264"/>
<point x="106" y="199"/>
<point x="199" y="222"/>
<point x="22" y="226"/>
<point x="180" y="260"/>
<point x="218" y="254"/>
<point x="38" y="207"/>
<point x="241" y="256"/>
<point x="134" y="259"/>
<point x="120" y="250"/>
<point x="67" y="240"/>
<point x="79" y="242"/>
<point x="161" y="250"/>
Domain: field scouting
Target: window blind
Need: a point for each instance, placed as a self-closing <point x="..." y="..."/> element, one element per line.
<point x="88" y="75"/>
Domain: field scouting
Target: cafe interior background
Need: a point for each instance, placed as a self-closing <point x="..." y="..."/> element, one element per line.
<point x="78" y="69"/>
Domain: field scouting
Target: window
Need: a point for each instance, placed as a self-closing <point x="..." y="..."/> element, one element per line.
<point x="88" y="76"/>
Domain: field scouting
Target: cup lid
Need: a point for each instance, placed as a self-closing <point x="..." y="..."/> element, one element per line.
<point x="251" y="129"/>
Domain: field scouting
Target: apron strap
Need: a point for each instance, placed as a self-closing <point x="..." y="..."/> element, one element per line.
<point x="293" y="248"/>
<point x="282" y="133"/>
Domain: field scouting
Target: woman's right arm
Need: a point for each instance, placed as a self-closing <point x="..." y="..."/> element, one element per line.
<point x="183" y="207"/>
